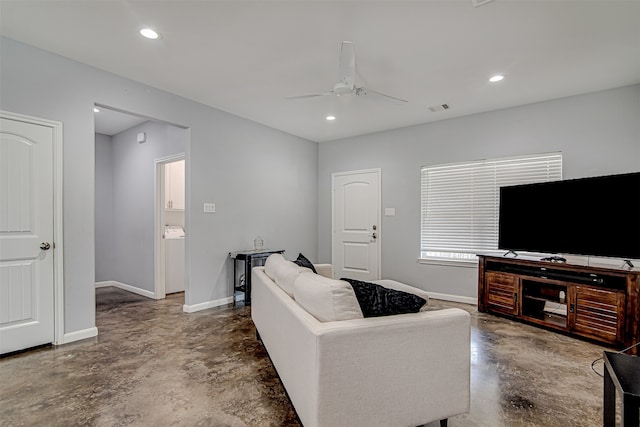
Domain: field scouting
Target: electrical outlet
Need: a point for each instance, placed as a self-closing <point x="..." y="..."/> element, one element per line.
<point x="209" y="207"/>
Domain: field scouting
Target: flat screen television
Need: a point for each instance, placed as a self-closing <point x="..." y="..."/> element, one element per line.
<point x="597" y="216"/>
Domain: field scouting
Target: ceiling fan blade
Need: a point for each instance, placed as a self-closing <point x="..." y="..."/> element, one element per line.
<point x="347" y="65"/>
<point x="308" y="96"/>
<point x="378" y="96"/>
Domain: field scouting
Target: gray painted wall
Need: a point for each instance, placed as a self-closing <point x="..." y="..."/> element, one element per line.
<point x="104" y="208"/>
<point x="263" y="181"/>
<point x="134" y="199"/>
<point x="598" y="133"/>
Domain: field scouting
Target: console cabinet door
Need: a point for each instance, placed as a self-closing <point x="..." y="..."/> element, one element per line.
<point x="501" y="293"/>
<point x="599" y="313"/>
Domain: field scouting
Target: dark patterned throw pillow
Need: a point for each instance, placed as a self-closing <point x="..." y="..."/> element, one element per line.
<point x="302" y="261"/>
<point x="376" y="300"/>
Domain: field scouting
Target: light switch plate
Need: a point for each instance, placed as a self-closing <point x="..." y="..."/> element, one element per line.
<point x="390" y="212"/>
<point x="209" y="207"/>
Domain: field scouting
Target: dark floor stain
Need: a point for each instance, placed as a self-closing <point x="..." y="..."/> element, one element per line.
<point x="519" y="402"/>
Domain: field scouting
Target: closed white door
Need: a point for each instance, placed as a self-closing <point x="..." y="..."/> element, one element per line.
<point x="356" y="208"/>
<point x="26" y="235"/>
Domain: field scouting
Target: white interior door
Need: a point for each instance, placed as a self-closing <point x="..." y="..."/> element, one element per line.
<point x="26" y="235"/>
<point x="355" y="251"/>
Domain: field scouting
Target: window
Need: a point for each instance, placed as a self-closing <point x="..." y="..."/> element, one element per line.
<point x="459" y="202"/>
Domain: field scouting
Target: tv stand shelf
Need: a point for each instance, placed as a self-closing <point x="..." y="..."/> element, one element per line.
<point x="597" y="303"/>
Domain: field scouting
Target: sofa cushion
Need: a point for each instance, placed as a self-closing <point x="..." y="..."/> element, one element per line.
<point x="376" y="300"/>
<point x="302" y="261"/>
<point x="326" y="299"/>
<point x="283" y="272"/>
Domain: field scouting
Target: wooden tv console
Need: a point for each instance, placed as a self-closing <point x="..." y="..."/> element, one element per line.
<point x="597" y="303"/>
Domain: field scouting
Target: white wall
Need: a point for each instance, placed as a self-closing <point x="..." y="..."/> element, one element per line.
<point x="263" y="181"/>
<point x="104" y="208"/>
<point x="134" y="199"/>
<point x="598" y="133"/>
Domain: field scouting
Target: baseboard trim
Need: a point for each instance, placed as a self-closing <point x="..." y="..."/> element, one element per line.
<point x="135" y="290"/>
<point x="204" y="305"/>
<point x="454" y="298"/>
<point x="79" y="335"/>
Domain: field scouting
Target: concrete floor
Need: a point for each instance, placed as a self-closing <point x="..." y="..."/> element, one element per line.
<point x="153" y="365"/>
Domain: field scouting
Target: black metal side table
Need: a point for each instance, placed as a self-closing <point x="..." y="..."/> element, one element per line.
<point x="250" y="259"/>
<point x="622" y="372"/>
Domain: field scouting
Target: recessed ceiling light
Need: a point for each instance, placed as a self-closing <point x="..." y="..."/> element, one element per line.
<point x="149" y="33"/>
<point x="331" y="118"/>
<point x="95" y="110"/>
<point x="496" y="78"/>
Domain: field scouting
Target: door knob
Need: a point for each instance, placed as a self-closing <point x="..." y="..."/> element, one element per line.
<point x="45" y="246"/>
<point x="374" y="235"/>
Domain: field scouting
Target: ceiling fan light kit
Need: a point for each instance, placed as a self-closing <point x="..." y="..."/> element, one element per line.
<point x="346" y="80"/>
<point x="342" y="89"/>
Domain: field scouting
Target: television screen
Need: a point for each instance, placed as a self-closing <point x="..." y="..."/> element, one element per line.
<point x="597" y="216"/>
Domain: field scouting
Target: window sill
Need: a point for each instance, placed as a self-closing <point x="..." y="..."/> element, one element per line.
<point x="472" y="263"/>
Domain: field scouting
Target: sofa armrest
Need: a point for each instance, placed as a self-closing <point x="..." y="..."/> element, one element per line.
<point x="287" y="332"/>
<point x="325" y="270"/>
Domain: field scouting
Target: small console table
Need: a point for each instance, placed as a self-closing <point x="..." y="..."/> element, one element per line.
<point x="622" y="372"/>
<point x="250" y="259"/>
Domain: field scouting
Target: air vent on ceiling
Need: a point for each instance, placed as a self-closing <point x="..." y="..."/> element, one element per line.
<point x="477" y="3"/>
<point x="436" y="108"/>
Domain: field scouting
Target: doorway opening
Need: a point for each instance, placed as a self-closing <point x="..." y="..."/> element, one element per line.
<point x="169" y="249"/>
<point x="129" y="224"/>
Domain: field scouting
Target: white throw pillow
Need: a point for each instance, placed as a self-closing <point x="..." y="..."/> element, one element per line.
<point x="326" y="299"/>
<point x="283" y="272"/>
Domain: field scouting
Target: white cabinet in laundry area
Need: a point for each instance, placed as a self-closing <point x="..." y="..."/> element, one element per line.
<point x="174" y="185"/>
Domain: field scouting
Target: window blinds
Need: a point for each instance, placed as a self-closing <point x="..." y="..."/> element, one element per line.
<point x="459" y="202"/>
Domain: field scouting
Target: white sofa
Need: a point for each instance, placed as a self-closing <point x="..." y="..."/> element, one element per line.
<point x="400" y="370"/>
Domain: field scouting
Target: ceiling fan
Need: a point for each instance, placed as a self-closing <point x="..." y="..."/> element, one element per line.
<point x="346" y="80"/>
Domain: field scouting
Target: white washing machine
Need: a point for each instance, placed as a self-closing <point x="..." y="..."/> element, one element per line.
<point x="174" y="259"/>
